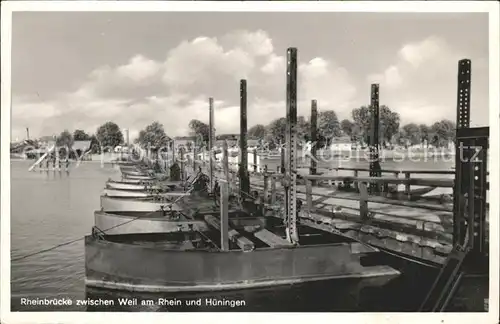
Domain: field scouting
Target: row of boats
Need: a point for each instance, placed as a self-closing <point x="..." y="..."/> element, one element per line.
<point x="158" y="234"/>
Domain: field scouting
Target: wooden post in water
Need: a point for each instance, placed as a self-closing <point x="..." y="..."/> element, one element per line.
<point x="211" y="140"/>
<point x="224" y="215"/>
<point x="314" y="135"/>
<point x="244" y="177"/>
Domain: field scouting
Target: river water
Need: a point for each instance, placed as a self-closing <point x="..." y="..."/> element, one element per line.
<point x="50" y="208"/>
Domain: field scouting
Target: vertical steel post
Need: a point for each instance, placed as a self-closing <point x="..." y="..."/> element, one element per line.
<point x="181" y="153"/>
<point x="211" y="136"/>
<point x="375" y="170"/>
<point x="462" y="173"/>
<point x="255" y="169"/>
<point x="224" y="215"/>
<point x="314" y="135"/>
<point x="225" y="160"/>
<point x="291" y="145"/>
<point x="244" y="177"/>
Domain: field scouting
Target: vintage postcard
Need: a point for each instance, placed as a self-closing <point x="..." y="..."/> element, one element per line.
<point x="278" y="159"/>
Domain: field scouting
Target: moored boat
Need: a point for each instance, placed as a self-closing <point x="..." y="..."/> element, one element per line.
<point x="142" y="204"/>
<point x="130" y="222"/>
<point x="125" y="185"/>
<point x="200" y="265"/>
<point x="144" y="193"/>
<point x="140" y="177"/>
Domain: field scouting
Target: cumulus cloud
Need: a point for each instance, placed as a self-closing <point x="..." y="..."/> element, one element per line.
<point x="175" y="90"/>
<point x="421" y="85"/>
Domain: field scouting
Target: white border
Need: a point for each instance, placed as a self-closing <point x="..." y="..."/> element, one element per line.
<point x="491" y="7"/>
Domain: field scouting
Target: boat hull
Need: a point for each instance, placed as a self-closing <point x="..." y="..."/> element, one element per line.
<point x="124" y="185"/>
<point x="135" y="173"/>
<point x="110" y="203"/>
<point x="133" y="222"/>
<point x="113" y="265"/>
<point x="140" y="194"/>
<point x="126" y="193"/>
<point x="139" y="177"/>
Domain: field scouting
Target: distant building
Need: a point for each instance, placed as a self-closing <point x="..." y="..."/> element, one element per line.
<point x="342" y="143"/>
<point x="186" y="142"/>
<point x="80" y="147"/>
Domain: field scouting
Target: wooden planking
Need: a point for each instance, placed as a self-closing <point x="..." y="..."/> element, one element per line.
<point x="271" y="239"/>
<point x="245" y="244"/>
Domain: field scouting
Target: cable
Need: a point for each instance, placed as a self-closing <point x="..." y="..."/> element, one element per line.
<point x="78" y="239"/>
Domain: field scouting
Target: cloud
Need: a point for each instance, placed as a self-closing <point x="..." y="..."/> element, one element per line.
<point x="175" y="90"/>
<point x="421" y="85"/>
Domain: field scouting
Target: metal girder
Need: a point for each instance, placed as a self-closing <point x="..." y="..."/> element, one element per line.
<point x="291" y="146"/>
<point x="469" y="217"/>
<point x="211" y="140"/>
<point x="375" y="170"/>
<point x="243" y="171"/>
<point x="314" y="135"/>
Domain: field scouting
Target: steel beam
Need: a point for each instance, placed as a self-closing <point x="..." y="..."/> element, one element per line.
<point x="211" y="140"/>
<point x="291" y="147"/>
<point x="314" y="135"/>
<point x="462" y="172"/>
<point x="224" y="215"/>
<point x="375" y="170"/>
<point x="244" y="176"/>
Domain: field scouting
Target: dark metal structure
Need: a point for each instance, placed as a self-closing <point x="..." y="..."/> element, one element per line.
<point x="211" y="140"/>
<point x="374" y="144"/>
<point x="314" y="136"/>
<point x="243" y="170"/>
<point x="469" y="257"/>
<point x="290" y="180"/>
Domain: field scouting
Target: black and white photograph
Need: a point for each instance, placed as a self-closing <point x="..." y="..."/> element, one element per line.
<point x="274" y="157"/>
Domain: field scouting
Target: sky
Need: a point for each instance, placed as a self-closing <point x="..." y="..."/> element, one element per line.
<point x="78" y="70"/>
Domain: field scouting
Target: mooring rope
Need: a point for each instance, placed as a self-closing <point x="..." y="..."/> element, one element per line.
<point x="80" y="238"/>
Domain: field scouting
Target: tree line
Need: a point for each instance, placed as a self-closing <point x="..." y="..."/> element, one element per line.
<point x="357" y="129"/>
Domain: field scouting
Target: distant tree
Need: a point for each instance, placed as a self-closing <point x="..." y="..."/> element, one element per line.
<point x="80" y="135"/>
<point x="389" y="122"/>
<point x="328" y="126"/>
<point x="109" y="135"/>
<point x="189" y="146"/>
<point x="442" y="132"/>
<point x="425" y="132"/>
<point x="200" y="130"/>
<point x="411" y="133"/>
<point x="258" y="131"/>
<point x="153" y="136"/>
<point x="347" y="127"/>
<point x="65" y="139"/>
<point x="94" y="145"/>
<point x="275" y="132"/>
<point x="303" y="129"/>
